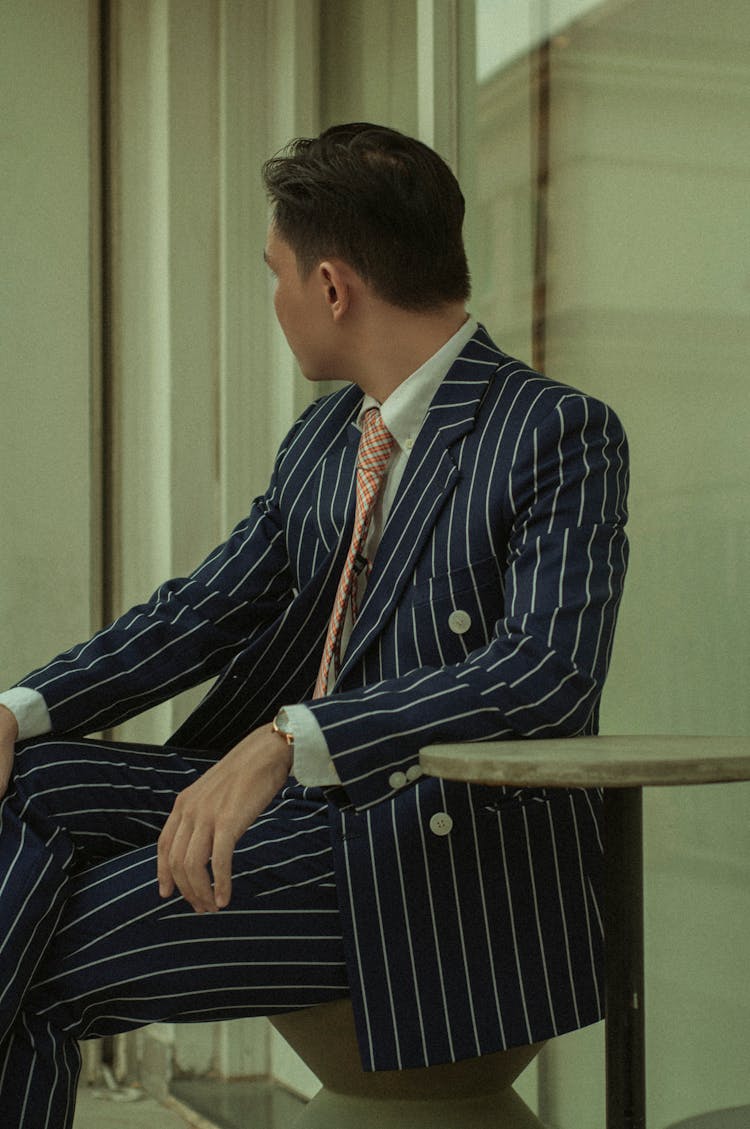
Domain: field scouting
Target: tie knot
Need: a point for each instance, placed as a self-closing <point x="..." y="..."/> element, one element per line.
<point x="376" y="442"/>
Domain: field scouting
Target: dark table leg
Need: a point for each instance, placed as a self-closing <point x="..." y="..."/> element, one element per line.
<point x="623" y="930"/>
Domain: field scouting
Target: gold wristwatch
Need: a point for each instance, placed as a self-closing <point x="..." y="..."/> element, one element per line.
<point x="280" y="724"/>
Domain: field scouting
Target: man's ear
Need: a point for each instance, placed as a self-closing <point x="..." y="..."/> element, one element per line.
<point x="336" y="282"/>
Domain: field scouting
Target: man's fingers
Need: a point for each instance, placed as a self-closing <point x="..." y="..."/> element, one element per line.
<point x="163" y="872"/>
<point x="182" y="866"/>
<point x="221" y="864"/>
<point x="195" y="872"/>
<point x="172" y="848"/>
<point x="212" y="813"/>
<point x="183" y="854"/>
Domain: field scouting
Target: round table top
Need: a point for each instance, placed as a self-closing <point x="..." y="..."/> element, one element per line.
<point x="593" y="762"/>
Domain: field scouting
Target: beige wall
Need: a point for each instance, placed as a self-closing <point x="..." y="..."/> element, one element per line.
<point x="49" y="585"/>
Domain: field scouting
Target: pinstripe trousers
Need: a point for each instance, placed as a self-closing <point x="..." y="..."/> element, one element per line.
<point x="87" y="946"/>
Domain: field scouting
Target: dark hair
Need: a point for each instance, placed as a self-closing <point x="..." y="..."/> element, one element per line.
<point x="383" y="202"/>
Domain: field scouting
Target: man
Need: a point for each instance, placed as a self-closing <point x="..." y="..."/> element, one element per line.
<point x="448" y="568"/>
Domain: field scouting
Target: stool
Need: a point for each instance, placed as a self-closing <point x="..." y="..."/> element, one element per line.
<point x="473" y="1094"/>
<point x="736" y="1118"/>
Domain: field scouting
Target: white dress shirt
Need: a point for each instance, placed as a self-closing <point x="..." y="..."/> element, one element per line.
<point x="403" y="414"/>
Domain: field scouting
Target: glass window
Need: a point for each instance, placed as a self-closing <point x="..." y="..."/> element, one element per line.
<point x="610" y="233"/>
<point x="612" y="174"/>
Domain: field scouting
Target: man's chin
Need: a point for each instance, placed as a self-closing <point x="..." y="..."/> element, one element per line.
<point x="323" y="377"/>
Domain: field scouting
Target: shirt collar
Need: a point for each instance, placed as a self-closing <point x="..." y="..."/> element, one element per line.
<point x="404" y="410"/>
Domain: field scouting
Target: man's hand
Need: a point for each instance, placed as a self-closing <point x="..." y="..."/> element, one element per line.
<point x="210" y="816"/>
<point x="8" y="737"/>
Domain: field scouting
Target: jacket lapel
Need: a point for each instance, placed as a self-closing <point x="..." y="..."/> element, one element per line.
<point x="430" y="476"/>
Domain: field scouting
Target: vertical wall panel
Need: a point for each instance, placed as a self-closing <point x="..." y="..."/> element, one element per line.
<point x="269" y="92"/>
<point x="205" y="386"/>
<point x="48" y="360"/>
<point x="369" y="54"/>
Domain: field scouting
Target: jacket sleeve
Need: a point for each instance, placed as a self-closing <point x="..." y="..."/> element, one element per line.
<point x="541" y="672"/>
<point x="189" y="629"/>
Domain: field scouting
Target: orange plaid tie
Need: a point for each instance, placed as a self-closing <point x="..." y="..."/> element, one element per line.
<point x="372" y="459"/>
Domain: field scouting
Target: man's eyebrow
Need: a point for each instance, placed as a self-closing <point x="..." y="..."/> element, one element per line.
<point x="266" y="259"/>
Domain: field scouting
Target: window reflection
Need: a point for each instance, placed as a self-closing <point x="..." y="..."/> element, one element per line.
<point x="630" y="185"/>
<point x="642" y="224"/>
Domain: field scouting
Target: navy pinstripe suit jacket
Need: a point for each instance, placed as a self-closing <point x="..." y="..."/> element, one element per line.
<point x="511" y="510"/>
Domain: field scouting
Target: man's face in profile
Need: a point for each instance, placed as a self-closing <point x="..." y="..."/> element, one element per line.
<point x="301" y="308"/>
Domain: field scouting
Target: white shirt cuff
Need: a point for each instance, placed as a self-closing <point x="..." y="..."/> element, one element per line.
<point x="30" y="711"/>
<point x="312" y="763"/>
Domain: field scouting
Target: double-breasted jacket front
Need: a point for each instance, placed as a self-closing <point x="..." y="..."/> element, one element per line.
<point x="471" y="915"/>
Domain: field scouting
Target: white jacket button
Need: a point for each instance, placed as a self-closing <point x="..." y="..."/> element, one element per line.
<point x="413" y="772"/>
<point x="459" y="621"/>
<point x="441" y="823"/>
<point x="396" y="780"/>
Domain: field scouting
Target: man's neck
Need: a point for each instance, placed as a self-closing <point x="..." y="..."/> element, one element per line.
<point x="395" y="343"/>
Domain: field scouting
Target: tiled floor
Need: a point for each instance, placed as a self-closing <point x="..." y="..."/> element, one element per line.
<point x="238" y="1105"/>
<point x="201" y="1105"/>
<point x="97" y="1112"/>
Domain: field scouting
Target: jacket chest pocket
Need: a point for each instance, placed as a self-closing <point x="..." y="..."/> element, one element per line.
<point x="452" y="614"/>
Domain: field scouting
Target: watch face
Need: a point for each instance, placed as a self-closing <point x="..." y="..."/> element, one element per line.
<point x="279" y="725"/>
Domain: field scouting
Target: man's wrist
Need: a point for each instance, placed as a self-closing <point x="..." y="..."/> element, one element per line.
<point x="8" y="724"/>
<point x="312" y="764"/>
<point x="29" y="711"/>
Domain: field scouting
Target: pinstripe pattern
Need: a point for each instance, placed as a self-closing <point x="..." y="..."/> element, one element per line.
<point x="114" y="955"/>
<point x="510" y="512"/>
